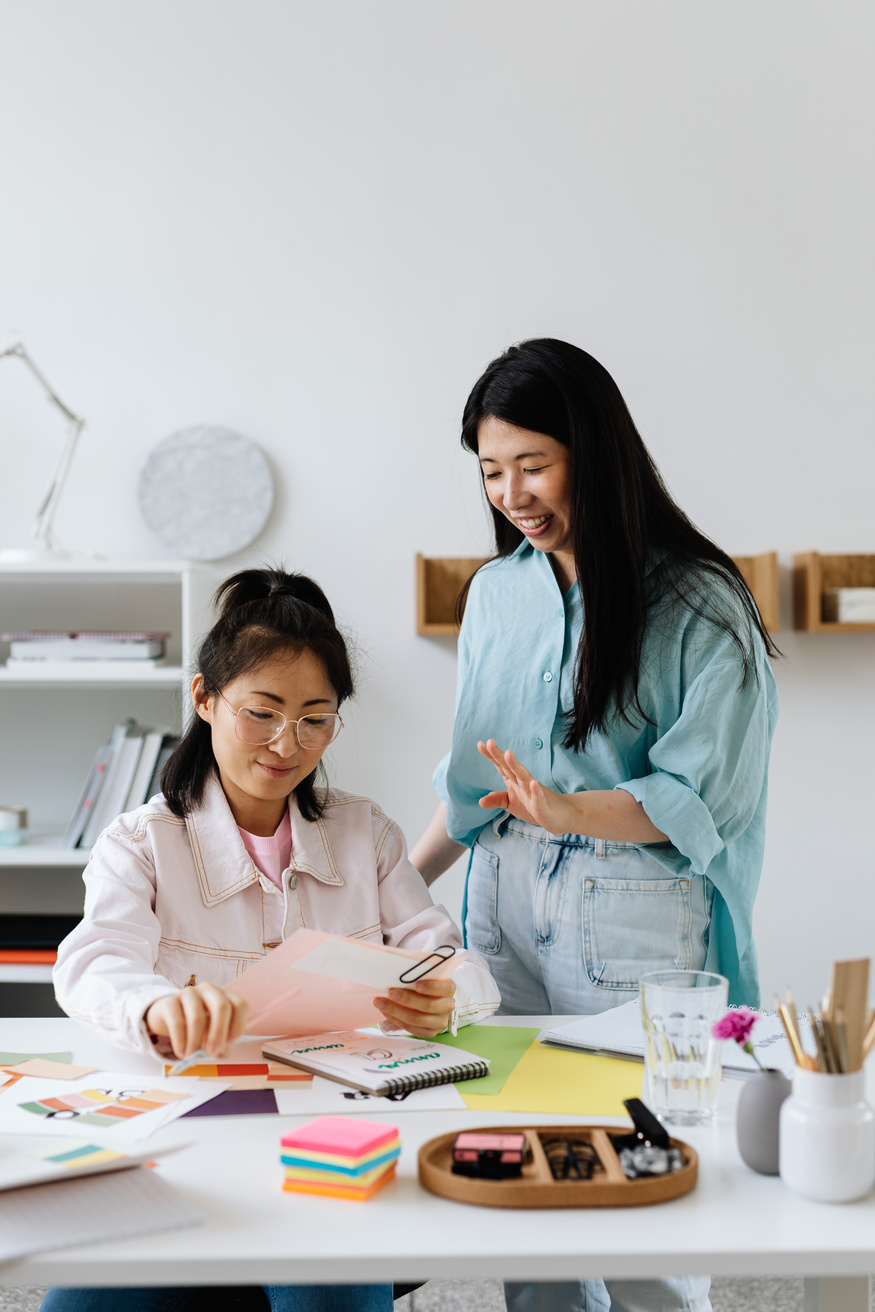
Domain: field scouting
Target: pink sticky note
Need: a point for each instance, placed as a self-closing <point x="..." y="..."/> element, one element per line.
<point x="42" y="1069"/>
<point x="345" y="1136"/>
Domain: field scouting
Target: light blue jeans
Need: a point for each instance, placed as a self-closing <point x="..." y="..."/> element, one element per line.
<point x="282" y="1298"/>
<point x="568" y="925"/>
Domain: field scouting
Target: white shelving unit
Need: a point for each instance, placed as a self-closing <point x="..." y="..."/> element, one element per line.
<point x="54" y="716"/>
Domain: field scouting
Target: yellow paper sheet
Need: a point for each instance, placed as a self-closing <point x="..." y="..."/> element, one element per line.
<point x="571" y="1083"/>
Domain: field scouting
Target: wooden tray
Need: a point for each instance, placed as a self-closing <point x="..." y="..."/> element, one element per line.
<point x="609" y="1186"/>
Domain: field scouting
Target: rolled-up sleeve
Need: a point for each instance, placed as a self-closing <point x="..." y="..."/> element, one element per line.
<point x="708" y="769"/>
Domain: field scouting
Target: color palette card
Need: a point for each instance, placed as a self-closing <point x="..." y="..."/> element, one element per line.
<point x="64" y="1159"/>
<point x="112" y="1108"/>
<point x="248" y="1074"/>
<point x="340" y="1157"/>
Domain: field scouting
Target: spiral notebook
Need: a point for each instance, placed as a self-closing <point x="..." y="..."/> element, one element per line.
<point x="378" y="1063"/>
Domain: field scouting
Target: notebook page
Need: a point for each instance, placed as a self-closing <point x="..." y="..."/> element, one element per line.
<point x="101" y="1207"/>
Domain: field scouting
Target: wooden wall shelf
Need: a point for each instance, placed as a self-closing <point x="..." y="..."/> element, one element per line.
<point x="813" y="574"/>
<point x="760" y="573"/>
<point x="439" y="581"/>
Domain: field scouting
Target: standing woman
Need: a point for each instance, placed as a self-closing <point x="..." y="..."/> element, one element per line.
<point x="614" y="715"/>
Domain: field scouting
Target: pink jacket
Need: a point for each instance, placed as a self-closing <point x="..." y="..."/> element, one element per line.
<point x="171" y="902"/>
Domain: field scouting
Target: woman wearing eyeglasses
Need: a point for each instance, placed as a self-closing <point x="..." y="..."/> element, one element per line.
<point x="239" y="851"/>
<point x="614" y="715"/>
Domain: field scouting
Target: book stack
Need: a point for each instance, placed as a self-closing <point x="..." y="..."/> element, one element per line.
<point x="135" y="649"/>
<point x="33" y="940"/>
<point x="124" y="774"/>
<point x="340" y="1156"/>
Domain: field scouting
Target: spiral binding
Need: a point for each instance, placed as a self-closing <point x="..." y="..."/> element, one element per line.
<point x="407" y="1083"/>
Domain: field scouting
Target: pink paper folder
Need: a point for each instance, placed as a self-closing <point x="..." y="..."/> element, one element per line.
<point x="315" y="982"/>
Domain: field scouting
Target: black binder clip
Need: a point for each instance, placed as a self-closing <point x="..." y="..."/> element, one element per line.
<point x="421" y="968"/>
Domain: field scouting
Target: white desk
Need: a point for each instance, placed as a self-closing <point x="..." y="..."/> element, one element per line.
<point x="733" y="1223"/>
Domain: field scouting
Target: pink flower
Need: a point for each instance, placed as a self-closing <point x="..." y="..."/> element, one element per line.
<point x="736" y="1025"/>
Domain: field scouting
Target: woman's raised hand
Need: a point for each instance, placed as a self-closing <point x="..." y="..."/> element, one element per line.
<point x="523" y="796"/>
<point x="201" y="1016"/>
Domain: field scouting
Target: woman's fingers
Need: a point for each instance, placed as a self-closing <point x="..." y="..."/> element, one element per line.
<point x="424" y="1009"/>
<point x="495" y="802"/>
<point x="217" y="1021"/>
<point x="239" y="1018"/>
<point x="196" y="1018"/>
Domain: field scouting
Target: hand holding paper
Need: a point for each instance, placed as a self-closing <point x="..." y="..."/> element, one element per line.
<point x="317" y="982"/>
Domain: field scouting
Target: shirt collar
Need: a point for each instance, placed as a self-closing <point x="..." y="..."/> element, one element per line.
<point x="223" y="865"/>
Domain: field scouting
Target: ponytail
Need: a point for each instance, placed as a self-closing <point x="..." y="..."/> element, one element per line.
<point x="262" y="612"/>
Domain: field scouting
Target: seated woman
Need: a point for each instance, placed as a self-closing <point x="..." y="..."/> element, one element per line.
<point x="240" y="850"/>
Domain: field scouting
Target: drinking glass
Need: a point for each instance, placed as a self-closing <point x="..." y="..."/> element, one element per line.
<point x="681" y="1058"/>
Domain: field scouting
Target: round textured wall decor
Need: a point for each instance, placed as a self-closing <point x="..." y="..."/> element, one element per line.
<point x="206" y="492"/>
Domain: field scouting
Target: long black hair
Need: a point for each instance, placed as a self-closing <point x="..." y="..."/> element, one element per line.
<point x="622" y="519"/>
<point x="263" y="612"/>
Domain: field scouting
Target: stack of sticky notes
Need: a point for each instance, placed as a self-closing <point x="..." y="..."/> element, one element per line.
<point x="340" y="1156"/>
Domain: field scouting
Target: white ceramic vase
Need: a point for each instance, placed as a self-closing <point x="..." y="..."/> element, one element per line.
<point x="827" y="1148"/>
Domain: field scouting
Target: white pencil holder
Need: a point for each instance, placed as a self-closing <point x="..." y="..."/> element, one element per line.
<point x="827" y="1149"/>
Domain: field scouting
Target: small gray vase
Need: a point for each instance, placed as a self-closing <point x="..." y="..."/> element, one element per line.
<point x="758" y="1120"/>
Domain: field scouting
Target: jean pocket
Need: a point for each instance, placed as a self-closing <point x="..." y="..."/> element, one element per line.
<point x="633" y="926"/>
<point x="481" y="922"/>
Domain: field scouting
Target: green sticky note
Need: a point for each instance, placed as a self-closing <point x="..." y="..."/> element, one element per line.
<point x="504" y="1045"/>
<point x="13" y="1058"/>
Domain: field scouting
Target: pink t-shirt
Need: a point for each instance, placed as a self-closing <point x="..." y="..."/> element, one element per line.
<point x="273" y="854"/>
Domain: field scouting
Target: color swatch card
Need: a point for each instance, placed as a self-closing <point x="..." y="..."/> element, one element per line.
<point x="112" y="1108"/>
<point x="242" y="1075"/>
<point x="65" y="1159"/>
<point x="340" y="1158"/>
<point x="326" y="1096"/>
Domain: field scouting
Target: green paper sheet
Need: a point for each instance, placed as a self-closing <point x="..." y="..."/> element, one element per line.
<point x="13" y="1058"/>
<point x="504" y="1045"/>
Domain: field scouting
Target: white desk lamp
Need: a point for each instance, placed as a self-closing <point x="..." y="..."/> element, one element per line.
<point x="45" y="548"/>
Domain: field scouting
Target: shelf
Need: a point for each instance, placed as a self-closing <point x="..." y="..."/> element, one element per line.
<point x="46" y="855"/>
<point x="439" y="580"/>
<point x="67" y="674"/>
<point x="135" y="571"/>
<point x="813" y="574"/>
<point x="24" y="974"/>
<point x="760" y="573"/>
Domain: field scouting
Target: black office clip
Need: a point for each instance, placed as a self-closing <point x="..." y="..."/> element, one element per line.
<point x="420" y="969"/>
<point x="647" y="1151"/>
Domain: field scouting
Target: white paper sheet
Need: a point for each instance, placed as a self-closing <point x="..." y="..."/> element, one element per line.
<point x="101" y="1207"/>
<point x="619" y="1032"/>
<point x="338" y="958"/>
<point x="62" y="1121"/>
<point x="329" y="1096"/>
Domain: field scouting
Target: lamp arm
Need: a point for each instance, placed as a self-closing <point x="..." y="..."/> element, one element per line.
<point x="49" y="504"/>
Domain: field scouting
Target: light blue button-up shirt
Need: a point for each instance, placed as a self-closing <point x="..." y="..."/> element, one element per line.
<point x="699" y="769"/>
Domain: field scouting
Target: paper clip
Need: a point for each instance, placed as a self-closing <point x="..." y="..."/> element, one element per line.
<point x="423" y="967"/>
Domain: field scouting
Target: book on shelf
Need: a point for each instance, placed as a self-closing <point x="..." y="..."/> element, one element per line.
<point x="124" y="774"/>
<point x="87" y="798"/>
<point x="28" y="956"/>
<point x="27" y="933"/>
<point x="85" y="645"/>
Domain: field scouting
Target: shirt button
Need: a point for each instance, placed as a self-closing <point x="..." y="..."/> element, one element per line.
<point x="293" y="882"/>
<point x="548" y="676"/>
<point x="539" y="742"/>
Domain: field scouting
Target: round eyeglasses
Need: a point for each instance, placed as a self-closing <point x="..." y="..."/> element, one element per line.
<point x="259" y="725"/>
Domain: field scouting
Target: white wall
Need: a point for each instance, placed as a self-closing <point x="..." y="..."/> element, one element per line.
<point x="316" y="223"/>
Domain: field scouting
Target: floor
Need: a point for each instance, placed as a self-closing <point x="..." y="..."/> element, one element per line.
<point x="486" y="1296"/>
